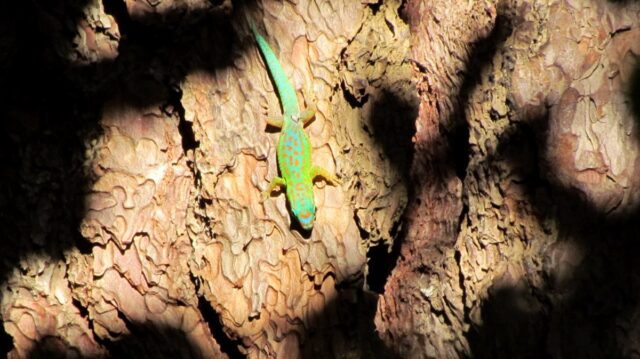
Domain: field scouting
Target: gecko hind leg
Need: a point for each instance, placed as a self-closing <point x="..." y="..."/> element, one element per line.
<point x="275" y="182"/>
<point x="319" y="172"/>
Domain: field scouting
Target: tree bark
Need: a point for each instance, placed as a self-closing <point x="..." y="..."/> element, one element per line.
<point x="488" y="153"/>
<point x="527" y="252"/>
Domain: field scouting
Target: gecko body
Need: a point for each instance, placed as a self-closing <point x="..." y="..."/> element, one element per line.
<point x="294" y="148"/>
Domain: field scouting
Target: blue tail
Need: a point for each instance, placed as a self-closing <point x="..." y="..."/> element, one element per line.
<point x="285" y="89"/>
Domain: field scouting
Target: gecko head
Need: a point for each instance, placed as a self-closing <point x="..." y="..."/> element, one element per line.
<point x="306" y="216"/>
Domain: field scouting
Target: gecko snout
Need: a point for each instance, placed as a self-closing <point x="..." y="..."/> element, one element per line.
<point x="306" y="219"/>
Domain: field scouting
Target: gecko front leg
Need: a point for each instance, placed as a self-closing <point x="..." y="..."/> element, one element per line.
<point x="308" y="114"/>
<point x="275" y="182"/>
<point x="319" y="172"/>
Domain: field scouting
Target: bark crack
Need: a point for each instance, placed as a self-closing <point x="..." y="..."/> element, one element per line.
<point x="228" y="345"/>
<point x="174" y="105"/>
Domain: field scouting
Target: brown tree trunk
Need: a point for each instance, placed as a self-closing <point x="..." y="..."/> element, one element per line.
<point x="527" y="249"/>
<point x="489" y="161"/>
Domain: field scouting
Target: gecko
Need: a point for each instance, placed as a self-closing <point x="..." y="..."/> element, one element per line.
<point x="294" y="148"/>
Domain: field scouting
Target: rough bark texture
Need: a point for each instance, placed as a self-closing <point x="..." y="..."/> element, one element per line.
<point x="488" y="154"/>
<point x="175" y="252"/>
<point x="271" y="286"/>
<point x="530" y="252"/>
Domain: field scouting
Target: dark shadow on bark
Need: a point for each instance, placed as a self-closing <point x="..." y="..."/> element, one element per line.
<point x="591" y="288"/>
<point x="456" y="129"/>
<point x="588" y="303"/>
<point x="381" y="261"/>
<point x="50" y="108"/>
<point x="6" y="342"/>
<point x="393" y="117"/>
<point x="345" y="328"/>
<point x="228" y="344"/>
<point x="394" y="126"/>
<point x="632" y="95"/>
<point x="515" y="320"/>
<point x="450" y="150"/>
<point x="512" y="321"/>
<point x="145" y="341"/>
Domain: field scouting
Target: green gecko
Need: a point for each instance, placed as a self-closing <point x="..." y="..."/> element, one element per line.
<point x="294" y="149"/>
